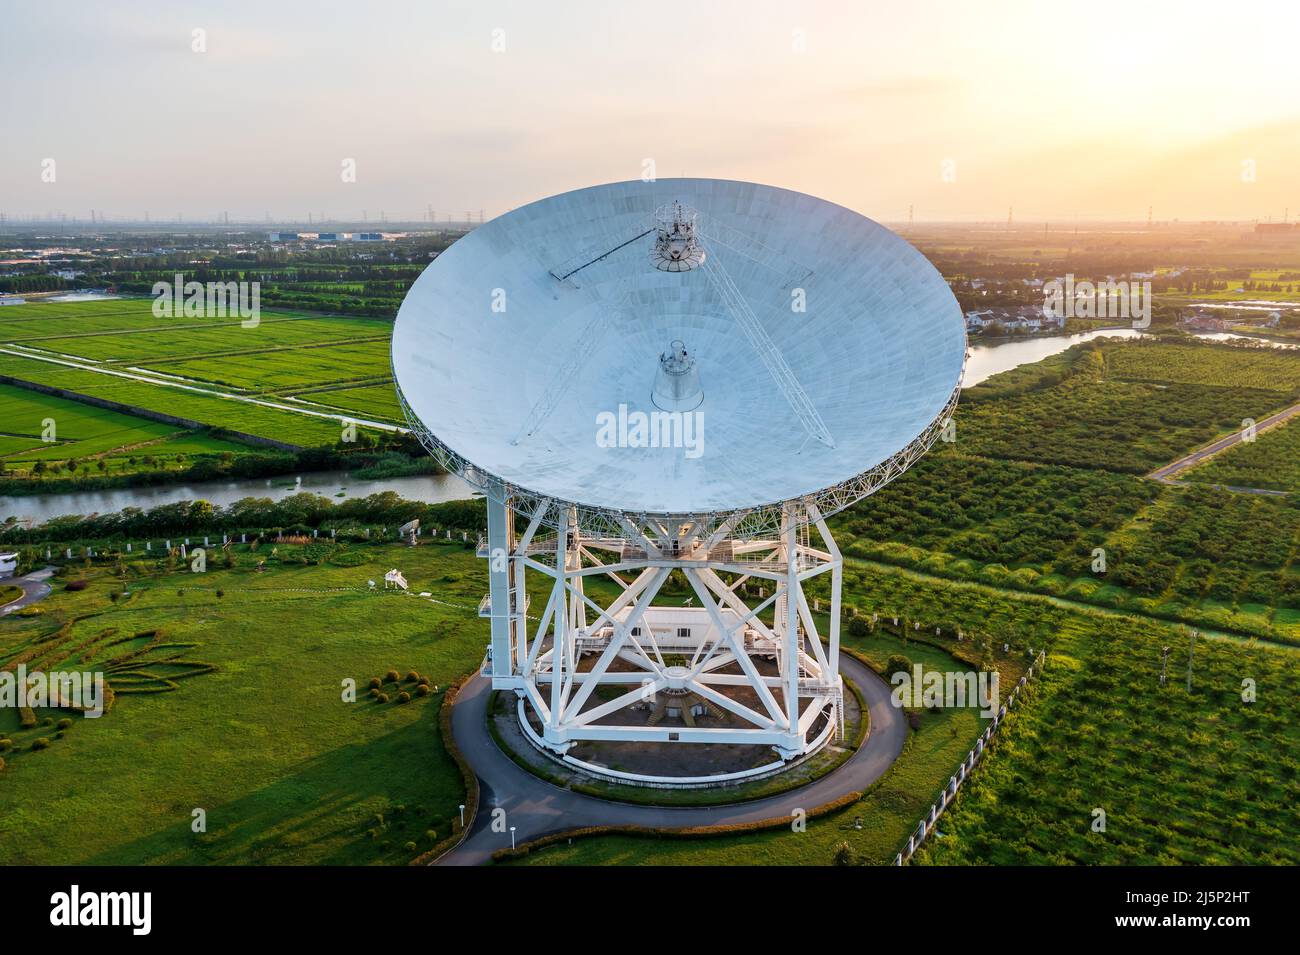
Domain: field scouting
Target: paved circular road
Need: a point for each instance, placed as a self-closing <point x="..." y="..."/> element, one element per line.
<point x="537" y="808"/>
<point x="33" y="586"/>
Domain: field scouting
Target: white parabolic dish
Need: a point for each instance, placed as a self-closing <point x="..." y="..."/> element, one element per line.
<point x="513" y="341"/>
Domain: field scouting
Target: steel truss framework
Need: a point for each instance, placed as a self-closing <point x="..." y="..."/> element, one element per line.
<point x="555" y="662"/>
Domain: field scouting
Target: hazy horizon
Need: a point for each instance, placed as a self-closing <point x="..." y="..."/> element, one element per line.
<point x="1082" y="112"/>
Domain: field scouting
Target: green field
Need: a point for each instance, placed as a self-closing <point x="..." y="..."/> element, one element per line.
<point x="1204" y="778"/>
<point x="1125" y="407"/>
<point x="252" y="727"/>
<point x="983" y="509"/>
<point x="89" y="434"/>
<point x="1271" y="461"/>
<point x="283" y="355"/>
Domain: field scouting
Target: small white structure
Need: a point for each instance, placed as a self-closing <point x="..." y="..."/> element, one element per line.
<point x="394" y="579"/>
<point x="8" y="565"/>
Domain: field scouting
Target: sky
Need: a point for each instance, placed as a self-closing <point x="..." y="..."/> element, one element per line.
<point x="1054" y="111"/>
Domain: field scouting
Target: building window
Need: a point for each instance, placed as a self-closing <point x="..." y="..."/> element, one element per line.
<point x="636" y="631"/>
<point x="683" y="631"/>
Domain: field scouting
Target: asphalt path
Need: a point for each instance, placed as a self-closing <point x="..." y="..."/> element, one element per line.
<point x="34" y="588"/>
<point x="537" y="808"/>
<point x="1168" y="472"/>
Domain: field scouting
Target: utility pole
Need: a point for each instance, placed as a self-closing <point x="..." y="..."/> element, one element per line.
<point x="1191" y="650"/>
<point x="1164" y="662"/>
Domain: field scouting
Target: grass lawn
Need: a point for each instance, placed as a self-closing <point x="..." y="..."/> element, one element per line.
<point x="286" y="771"/>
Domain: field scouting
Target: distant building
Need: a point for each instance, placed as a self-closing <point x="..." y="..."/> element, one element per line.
<point x="327" y="237"/>
<point x="1028" y="318"/>
<point x="12" y="300"/>
<point x="8" y="565"/>
<point x="368" y="236"/>
<point x="285" y="237"/>
<point x="1202" y="321"/>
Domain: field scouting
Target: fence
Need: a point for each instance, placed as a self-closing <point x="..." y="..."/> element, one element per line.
<point x="958" y="779"/>
<point x="145" y="547"/>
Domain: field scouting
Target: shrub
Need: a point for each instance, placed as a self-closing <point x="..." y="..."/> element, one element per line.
<point x="411" y="847"/>
<point x="375" y="683"/>
<point x="374" y="692"/>
<point x="41" y="743"/>
<point x="914" y="720"/>
<point x="844" y="855"/>
<point x="381" y="698"/>
<point x="424" y="681"/>
<point x="897" y="664"/>
<point x="423" y="690"/>
<point x="78" y="584"/>
<point x="412" y="677"/>
<point x="403" y="697"/>
<point x="391" y="676"/>
<point x="2" y="762"/>
<point x="65" y="723"/>
<point x="6" y="744"/>
<point x="431" y="835"/>
<point x="859" y="628"/>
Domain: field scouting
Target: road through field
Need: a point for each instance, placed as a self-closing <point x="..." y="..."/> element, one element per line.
<point x="1167" y="473"/>
<point x="537" y="808"/>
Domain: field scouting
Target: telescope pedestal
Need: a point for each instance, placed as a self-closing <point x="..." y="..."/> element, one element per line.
<point x="748" y="651"/>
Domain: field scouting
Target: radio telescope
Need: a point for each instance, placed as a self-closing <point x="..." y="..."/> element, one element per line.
<point x="681" y="380"/>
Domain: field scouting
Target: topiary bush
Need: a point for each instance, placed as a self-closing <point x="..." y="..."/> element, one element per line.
<point x="392" y="676"/>
<point x="6" y="744"/>
<point x="76" y="584"/>
<point x="403" y="697"/>
<point x="41" y="743"/>
<point x="65" y="723"/>
<point x="423" y="690"/>
<point x="381" y="698"/>
<point x="412" y="677"/>
<point x="375" y="683"/>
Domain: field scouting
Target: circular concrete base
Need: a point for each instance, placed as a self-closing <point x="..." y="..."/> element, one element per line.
<point x="523" y="742"/>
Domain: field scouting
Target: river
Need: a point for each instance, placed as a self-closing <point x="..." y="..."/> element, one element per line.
<point x="337" y="485"/>
<point x="988" y="360"/>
